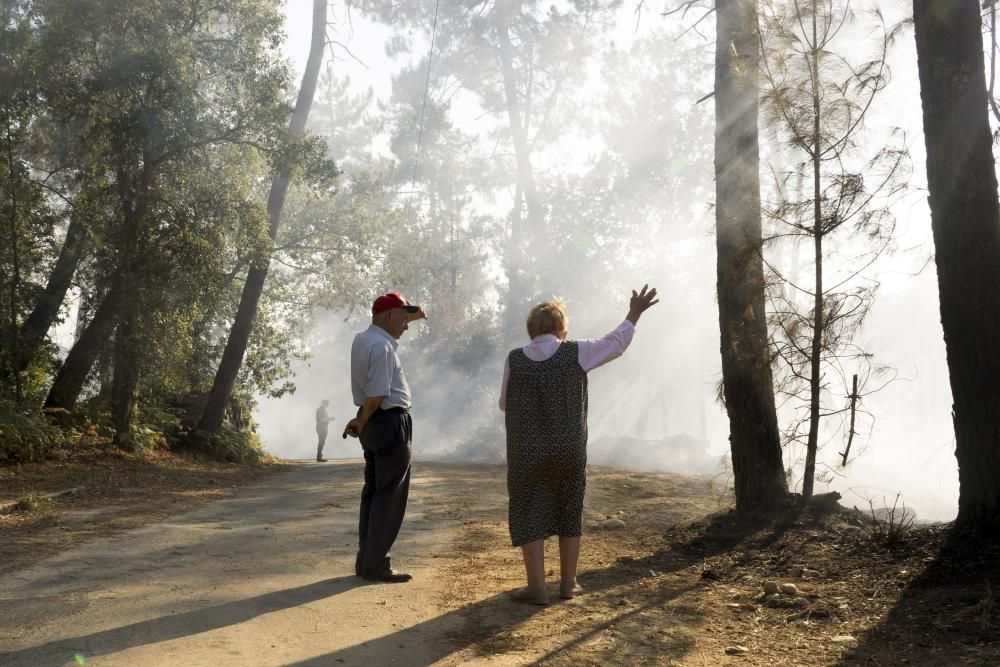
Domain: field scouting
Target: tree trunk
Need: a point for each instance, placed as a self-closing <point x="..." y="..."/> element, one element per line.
<point x="15" y="279"/>
<point x="125" y="365"/>
<point x="44" y="314"/>
<point x="239" y="335"/>
<point x="518" y="127"/>
<point x="73" y="373"/>
<point x="965" y="218"/>
<point x="812" y="443"/>
<point x="128" y="344"/>
<point x="526" y="193"/>
<point x="513" y="319"/>
<point x="105" y="372"/>
<point x="746" y="370"/>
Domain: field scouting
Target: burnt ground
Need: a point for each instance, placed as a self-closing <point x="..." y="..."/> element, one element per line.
<point x="681" y="585"/>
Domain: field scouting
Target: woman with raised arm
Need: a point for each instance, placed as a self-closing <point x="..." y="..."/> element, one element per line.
<point x="544" y="395"/>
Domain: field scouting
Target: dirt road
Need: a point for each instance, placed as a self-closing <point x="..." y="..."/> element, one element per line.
<point x="262" y="578"/>
<point x="266" y="578"/>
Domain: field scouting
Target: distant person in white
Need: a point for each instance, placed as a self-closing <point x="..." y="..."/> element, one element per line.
<point x="322" y="428"/>
<point x="385" y="429"/>
<point x="544" y="396"/>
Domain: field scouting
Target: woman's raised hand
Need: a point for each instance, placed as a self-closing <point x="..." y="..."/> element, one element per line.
<point x="640" y="302"/>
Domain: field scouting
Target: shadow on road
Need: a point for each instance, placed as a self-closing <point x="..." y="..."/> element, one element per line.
<point x="184" y="624"/>
<point x="487" y="627"/>
<point x="490" y="626"/>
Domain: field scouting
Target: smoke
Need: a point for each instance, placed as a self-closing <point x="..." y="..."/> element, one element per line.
<point x="657" y="404"/>
<point x="656" y="408"/>
<point x="447" y="407"/>
<point x="911" y="447"/>
<point x="287" y="425"/>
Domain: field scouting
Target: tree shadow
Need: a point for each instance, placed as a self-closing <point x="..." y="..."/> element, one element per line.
<point x="488" y="626"/>
<point x="675" y="646"/>
<point x="430" y="634"/>
<point x="947" y="615"/>
<point x="173" y="626"/>
<point x="728" y="530"/>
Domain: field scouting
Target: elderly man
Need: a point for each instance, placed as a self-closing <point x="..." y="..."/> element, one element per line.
<point x="386" y="431"/>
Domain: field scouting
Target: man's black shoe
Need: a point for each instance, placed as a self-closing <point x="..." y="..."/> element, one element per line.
<point x="387" y="575"/>
<point x="320" y="459"/>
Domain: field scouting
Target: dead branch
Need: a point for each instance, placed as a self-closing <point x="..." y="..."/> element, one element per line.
<point x="850" y="434"/>
<point x="683" y="8"/>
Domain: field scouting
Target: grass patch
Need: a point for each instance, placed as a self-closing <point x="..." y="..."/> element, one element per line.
<point x="28" y="502"/>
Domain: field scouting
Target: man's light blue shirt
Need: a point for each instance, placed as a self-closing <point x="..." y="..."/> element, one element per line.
<point x="376" y="371"/>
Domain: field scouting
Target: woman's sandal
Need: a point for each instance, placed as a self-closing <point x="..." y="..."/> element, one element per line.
<point x="570" y="592"/>
<point x="530" y="596"/>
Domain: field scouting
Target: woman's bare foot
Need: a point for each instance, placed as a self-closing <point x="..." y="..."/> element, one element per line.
<point x="569" y="589"/>
<point x="528" y="595"/>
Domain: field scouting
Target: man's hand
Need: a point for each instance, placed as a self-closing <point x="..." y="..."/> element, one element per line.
<point x="419" y="315"/>
<point x="640" y="302"/>
<point x="353" y="428"/>
<point x="357" y="425"/>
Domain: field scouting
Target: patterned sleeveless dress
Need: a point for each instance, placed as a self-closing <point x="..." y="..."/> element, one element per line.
<point x="546" y="420"/>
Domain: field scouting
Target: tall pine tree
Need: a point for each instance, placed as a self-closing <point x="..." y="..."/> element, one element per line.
<point x="965" y="218"/>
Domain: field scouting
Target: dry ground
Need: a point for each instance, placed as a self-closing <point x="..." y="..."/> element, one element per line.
<point x="673" y="589"/>
<point x="680" y="584"/>
<point x="115" y="491"/>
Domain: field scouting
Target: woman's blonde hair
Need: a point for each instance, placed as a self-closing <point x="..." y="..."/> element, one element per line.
<point x="548" y="318"/>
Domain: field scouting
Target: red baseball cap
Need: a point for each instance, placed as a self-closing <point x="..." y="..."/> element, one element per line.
<point x="390" y="301"/>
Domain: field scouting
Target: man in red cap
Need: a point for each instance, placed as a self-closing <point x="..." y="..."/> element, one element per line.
<point x="385" y="429"/>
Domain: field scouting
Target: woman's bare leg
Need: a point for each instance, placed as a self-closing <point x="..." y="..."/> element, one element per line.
<point x="569" y="556"/>
<point x="534" y="563"/>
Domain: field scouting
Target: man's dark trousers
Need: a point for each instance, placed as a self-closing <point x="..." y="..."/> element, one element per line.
<point x="387" y="443"/>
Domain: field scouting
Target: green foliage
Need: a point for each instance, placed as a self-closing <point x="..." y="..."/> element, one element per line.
<point x="158" y="126"/>
<point x="185" y="105"/>
<point x="28" y="502"/>
<point x="26" y="216"/>
<point x="37" y="377"/>
<point x="231" y="445"/>
<point x="93" y="417"/>
<point x="237" y="446"/>
<point x="26" y="436"/>
<point x="171" y="424"/>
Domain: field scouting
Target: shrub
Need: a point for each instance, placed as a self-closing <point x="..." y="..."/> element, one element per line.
<point x="487" y="444"/>
<point x="93" y="417"/>
<point x="889" y="525"/>
<point x="26" y="436"/>
<point x="237" y="440"/>
<point x="231" y="444"/>
<point x="27" y="502"/>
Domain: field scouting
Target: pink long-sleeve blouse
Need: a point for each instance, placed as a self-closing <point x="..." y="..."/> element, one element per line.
<point x="591" y="354"/>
